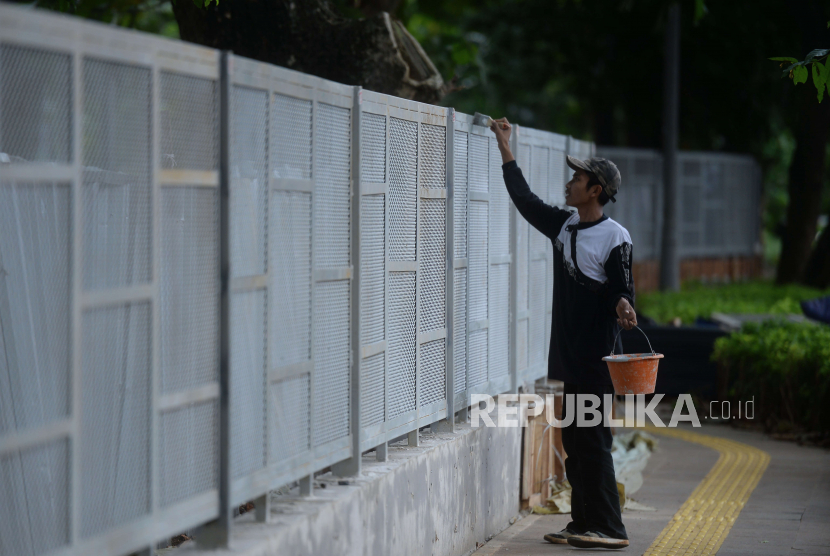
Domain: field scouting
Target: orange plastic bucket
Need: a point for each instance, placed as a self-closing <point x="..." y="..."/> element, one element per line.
<point x="635" y="373"/>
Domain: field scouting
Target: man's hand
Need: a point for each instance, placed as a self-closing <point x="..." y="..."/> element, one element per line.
<point x="627" y="317"/>
<point x="503" y="129"/>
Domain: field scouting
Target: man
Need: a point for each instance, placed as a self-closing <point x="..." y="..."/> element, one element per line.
<point x="593" y="294"/>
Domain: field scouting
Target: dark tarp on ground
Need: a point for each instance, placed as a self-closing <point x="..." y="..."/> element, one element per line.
<point x="817" y="309"/>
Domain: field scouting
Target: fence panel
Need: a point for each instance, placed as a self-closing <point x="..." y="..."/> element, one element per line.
<point x="108" y="434"/>
<point x="718" y="202"/>
<point x="541" y="155"/>
<point x="498" y="296"/>
<point x="639" y="202"/>
<point x="403" y="328"/>
<point x="291" y="174"/>
<point x="482" y="264"/>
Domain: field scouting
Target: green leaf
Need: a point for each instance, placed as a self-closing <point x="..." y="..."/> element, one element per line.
<point x="700" y="10"/>
<point x="819" y="78"/>
<point x="800" y="74"/>
<point x="783" y="59"/>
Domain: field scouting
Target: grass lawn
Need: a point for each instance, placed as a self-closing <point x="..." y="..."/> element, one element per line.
<point x="699" y="300"/>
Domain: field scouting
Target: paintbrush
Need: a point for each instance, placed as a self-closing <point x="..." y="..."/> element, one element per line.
<point x="485" y="120"/>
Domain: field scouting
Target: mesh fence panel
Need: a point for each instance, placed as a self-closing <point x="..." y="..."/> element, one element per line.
<point x="460" y="194"/>
<point x="522" y="260"/>
<point x="479" y="164"/>
<point x="401" y="344"/>
<point x="403" y="167"/>
<point x="290" y="422"/>
<point x="477" y="370"/>
<point x="373" y="148"/>
<point x="539" y="181"/>
<point x="433" y="156"/>
<point x="521" y="344"/>
<point x="34" y="499"/>
<point x="289" y="249"/>
<point x="248" y="386"/>
<point x="499" y="281"/>
<point x="188" y="452"/>
<point x="35" y="235"/>
<point x="499" y="214"/>
<point x="432" y="386"/>
<point x="536" y="340"/>
<point x="332" y="204"/>
<point x="715" y="202"/>
<point x="372" y="389"/>
<point x="690" y="214"/>
<point x="189" y="123"/>
<point x="115" y="420"/>
<point x="499" y="308"/>
<point x="556" y="175"/>
<point x="249" y="160"/>
<point x="460" y="330"/>
<point x="478" y="261"/>
<point x="189" y="288"/>
<point x="116" y="192"/>
<point x="524" y="161"/>
<point x="331" y="361"/>
<point x="432" y="244"/>
<point x="291" y="152"/>
<point x="372" y="269"/>
<point x="35" y="104"/>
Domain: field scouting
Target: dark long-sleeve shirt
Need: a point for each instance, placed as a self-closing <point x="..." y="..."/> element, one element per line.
<point x="591" y="272"/>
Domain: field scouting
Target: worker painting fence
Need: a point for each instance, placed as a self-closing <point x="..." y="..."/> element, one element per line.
<point x="378" y="278"/>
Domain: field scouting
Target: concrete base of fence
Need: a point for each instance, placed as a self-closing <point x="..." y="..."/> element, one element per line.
<point x="444" y="497"/>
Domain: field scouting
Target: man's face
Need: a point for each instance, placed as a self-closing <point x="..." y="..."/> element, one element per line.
<point x="577" y="192"/>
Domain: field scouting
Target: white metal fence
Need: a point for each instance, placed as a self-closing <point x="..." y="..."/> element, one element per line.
<point x="718" y="202"/>
<point x="379" y="276"/>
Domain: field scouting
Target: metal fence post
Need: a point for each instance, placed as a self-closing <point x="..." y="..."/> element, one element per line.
<point x="351" y="466"/>
<point x="216" y="534"/>
<point x="448" y="424"/>
<point x="514" y="280"/>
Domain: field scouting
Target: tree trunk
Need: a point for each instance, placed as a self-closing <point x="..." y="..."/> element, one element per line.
<point x="806" y="172"/>
<point x="807" y="167"/>
<point x="817" y="272"/>
<point x="311" y="36"/>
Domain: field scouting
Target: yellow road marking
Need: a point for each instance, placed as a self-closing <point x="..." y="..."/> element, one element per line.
<point x="702" y="523"/>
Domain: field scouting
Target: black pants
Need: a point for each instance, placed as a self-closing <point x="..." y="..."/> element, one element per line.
<point x="595" y="502"/>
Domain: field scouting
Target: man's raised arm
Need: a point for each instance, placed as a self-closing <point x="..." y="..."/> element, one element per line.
<point x="540" y="215"/>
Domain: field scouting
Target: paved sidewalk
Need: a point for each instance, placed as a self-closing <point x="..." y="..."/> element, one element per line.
<point x="788" y="513"/>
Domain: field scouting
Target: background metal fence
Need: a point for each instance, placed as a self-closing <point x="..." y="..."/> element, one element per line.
<point x="718" y="202"/>
<point x="379" y="277"/>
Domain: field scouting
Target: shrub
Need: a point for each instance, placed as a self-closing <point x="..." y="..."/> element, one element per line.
<point x="699" y="300"/>
<point x="785" y="366"/>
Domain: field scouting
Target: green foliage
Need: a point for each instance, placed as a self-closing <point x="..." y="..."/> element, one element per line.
<point x="785" y="366"/>
<point x="152" y="16"/>
<point x="797" y="71"/>
<point x="700" y="10"/>
<point x="699" y="300"/>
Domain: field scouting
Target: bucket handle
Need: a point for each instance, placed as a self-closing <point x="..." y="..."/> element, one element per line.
<point x="618" y="335"/>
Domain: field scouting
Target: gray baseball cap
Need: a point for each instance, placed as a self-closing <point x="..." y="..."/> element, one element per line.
<point x="605" y="171"/>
